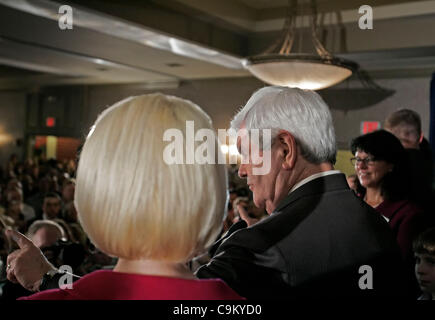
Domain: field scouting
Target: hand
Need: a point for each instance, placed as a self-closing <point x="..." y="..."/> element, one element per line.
<point x="27" y="265"/>
<point x="244" y="215"/>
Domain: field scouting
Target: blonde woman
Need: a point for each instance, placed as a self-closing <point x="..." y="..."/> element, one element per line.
<point x="153" y="216"/>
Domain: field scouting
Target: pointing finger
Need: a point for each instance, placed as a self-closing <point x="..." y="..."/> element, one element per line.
<point x="19" y="238"/>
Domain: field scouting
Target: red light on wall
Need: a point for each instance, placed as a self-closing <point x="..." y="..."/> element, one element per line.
<point x="50" y="122"/>
<point x="369" y="126"/>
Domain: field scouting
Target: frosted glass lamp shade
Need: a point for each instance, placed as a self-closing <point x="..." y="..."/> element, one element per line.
<point x="301" y="71"/>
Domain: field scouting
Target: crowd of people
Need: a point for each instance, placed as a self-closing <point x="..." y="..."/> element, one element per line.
<point x="303" y="233"/>
<point x="37" y="199"/>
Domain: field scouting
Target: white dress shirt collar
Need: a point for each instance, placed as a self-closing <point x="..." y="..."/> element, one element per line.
<point x="312" y="177"/>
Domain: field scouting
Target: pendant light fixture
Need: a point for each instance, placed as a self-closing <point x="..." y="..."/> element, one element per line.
<point x="279" y="65"/>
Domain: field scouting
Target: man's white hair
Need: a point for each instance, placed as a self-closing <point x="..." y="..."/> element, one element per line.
<point x="303" y="113"/>
<point x="38" y="224"/>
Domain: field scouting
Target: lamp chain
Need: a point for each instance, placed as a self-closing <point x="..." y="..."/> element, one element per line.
<point x="284" y="44"/>
<point x="321" y="51"/>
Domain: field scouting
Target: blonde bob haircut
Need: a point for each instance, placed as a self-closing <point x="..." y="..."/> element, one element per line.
<point x="130" y="202"/>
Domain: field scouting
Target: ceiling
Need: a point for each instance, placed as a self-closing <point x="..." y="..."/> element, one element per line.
<point x="161" y="43"/>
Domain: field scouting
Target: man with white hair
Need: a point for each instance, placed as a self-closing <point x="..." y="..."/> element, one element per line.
<point x="319" y="240"/>
<point x="45" y="233"/>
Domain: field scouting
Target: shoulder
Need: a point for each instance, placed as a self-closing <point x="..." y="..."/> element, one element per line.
<point x="52" y="294"/>
<point x="404" y="209"/>
<point x="304" y="215"/>
<point x="109" y="285"/>
<point x="255" y="238"/>
<point x="212" y="289"/>
<point x="425" y="296"/>
<point x="83" y="288"/>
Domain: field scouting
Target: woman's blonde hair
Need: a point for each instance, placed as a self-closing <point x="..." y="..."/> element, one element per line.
<point x="129" y="201"/>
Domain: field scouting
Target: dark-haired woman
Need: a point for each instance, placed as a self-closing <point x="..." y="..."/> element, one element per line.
<point x="382" y="168"/>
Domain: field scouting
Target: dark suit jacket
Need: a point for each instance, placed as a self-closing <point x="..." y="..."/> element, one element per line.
<point x="313" y="245"/>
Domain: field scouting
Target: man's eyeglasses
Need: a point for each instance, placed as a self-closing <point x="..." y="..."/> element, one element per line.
<point x="369" y="161"/>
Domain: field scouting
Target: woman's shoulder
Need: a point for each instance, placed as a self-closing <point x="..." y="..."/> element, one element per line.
<point x="74" y="292"/>
<point x="215" y="289"/>
<point x="403" y="206"/>
<point x="410" y="208"/>
<point x="109" y="285"/>
<point x="52" y="294"/>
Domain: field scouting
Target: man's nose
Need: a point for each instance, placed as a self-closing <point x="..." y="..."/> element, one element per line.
<point x="242" y="171"/>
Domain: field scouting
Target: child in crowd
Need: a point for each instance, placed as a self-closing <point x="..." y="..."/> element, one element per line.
<point x="424" y="250"/>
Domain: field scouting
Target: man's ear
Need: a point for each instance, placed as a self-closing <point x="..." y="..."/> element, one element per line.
<point x="421" y="137"/>
<point x="288" y="149"/>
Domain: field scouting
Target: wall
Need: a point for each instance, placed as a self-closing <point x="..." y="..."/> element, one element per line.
<point x="12" y="124"/>
<point x="63" y="104"/>
<point x="221" y="98"/>
<point x="408" y="93"/>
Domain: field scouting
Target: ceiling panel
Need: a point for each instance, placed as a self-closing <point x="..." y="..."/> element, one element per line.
<point x="95" y="53"/>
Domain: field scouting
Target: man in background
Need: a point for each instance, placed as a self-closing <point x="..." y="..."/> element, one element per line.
<point x="51" y="207"/>
<point x="405" y="124"/>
